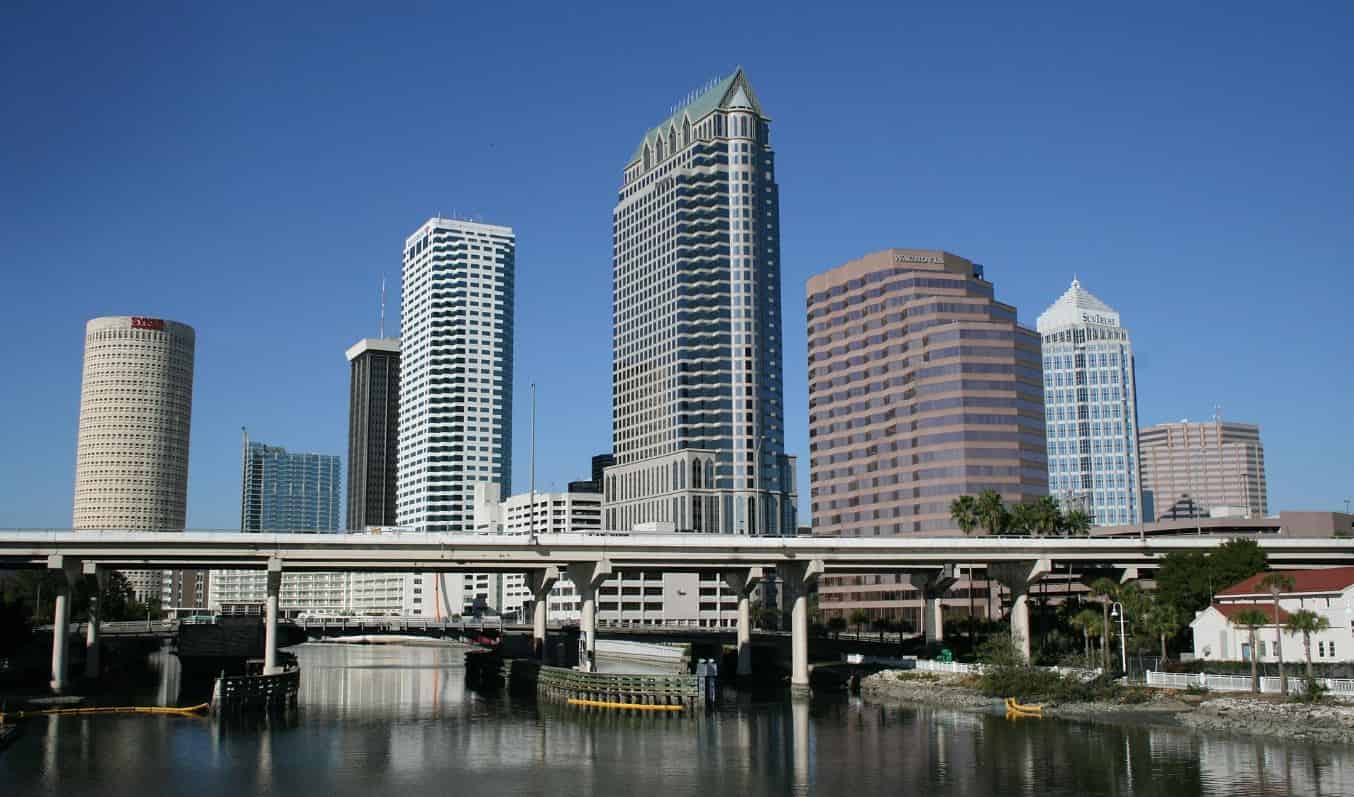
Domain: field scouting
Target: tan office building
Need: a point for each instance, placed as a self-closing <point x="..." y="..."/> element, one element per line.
<point x="1210" y="469"/>
<point x="131" y="465"/>
<point x="922" y="388"/>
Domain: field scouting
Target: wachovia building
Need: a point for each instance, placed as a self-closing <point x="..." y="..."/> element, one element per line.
<point x="698" y="415"/>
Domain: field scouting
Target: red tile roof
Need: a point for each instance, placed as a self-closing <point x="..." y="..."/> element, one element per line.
<point x="1327" y="579"/>
<point x="1231" y="610"/>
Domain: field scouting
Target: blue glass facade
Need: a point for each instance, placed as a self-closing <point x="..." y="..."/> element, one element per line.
<point x="284" y="491"/>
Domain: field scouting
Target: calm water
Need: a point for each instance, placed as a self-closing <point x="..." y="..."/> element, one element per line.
<point x="382" y="720"/>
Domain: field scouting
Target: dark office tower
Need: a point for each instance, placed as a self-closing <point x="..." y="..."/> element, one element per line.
<point x="698" y="418"/>
<point x="599" y="464"/>
<point x="373" y="432"/>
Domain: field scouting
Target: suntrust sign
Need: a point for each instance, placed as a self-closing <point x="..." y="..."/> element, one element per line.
<point x="147" y="323"/>
<point x="900" y="258"/>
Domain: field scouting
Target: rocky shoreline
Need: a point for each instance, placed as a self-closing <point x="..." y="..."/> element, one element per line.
<point x="1328" y="722"/>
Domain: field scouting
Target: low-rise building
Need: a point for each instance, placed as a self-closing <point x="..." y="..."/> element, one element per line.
<point x="1329" y="592"/>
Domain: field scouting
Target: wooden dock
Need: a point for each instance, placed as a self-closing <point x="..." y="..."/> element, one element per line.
<point x="236" y="693"/>
<point x="612" y="691"/>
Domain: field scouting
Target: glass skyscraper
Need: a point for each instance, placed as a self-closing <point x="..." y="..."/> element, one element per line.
<point x="698" y="415"/>
<point x="284" y="491"/>
<point x="1091" y="407"/>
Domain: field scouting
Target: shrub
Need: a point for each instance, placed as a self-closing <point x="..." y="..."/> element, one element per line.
<point x="1313" y="691"/>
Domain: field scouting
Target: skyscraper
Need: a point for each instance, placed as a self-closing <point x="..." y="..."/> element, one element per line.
<point x="455" y="423"/>
<point x="922" y="388"/>
<point x="281" y="490"/>
<point x="136" y="407"/>
<point x="1090" y="408"/>
<point x="698" y="416"/>
<point x="373" y="432"/>
<point x="1210" y="469"/>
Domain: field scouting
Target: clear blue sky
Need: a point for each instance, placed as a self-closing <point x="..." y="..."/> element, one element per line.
<point x="252" y="171"/>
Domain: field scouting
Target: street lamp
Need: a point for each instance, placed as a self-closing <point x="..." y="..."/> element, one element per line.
<point x="1117" y="610"/>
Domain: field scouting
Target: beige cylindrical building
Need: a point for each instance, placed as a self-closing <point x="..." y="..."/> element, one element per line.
<point x="136" y="403"/>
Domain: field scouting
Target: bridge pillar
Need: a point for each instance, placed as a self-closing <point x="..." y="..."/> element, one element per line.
<point x="741" y="581"/>
<point x="69" y="570"/>
<point x="933" y="585"/>
<point x="1017" y="576"/>
<point x="800" y="576"/>
<point x="97" y="577"/>
<point x="270" y="617"/>
<point x="540" y="581"/>
<point x="587" y="577"/>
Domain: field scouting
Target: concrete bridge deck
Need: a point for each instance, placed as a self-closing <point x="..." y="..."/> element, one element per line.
<point x="589" y="559"/>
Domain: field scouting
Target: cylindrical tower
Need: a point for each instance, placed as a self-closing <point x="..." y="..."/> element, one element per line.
<point x="136" y="402"/>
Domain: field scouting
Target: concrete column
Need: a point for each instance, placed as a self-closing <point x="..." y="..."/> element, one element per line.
<point x="270" y="617"/>
<point x="1017" y="576"/>
<point x="801" y="575"/>
<point x="587" y="577"/>
<point x="1020" y="620"/>
<point x="540" y="581"/>
<point x="98" y="577"/>
<point x="742" y="581"/>
<point x="933" y="585"/>
<point x="61" y="617"/>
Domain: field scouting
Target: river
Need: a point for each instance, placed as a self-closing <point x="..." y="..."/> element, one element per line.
<point x="399" y="721"/>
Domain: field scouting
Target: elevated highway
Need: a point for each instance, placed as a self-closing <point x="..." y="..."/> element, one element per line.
<point x="1015" y="562"/>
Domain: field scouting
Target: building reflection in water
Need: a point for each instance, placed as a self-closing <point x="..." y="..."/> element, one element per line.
<point x="373" y="720"/>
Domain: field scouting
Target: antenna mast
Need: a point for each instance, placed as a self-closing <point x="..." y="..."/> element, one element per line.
<point x="381" y="328"/>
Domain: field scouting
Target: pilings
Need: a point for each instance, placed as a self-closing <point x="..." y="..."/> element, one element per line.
<point x="800" y="576"/>
<point x="587" y="577"/>
<point x="61" y="617"/>
<point x="270" y="617"/>
<point x="741" y="581"/>
<point x="1017" y="576"/>
<point x="98" y="578"/>
<point x="540" y="582"/>
<point x="933" y="585"/>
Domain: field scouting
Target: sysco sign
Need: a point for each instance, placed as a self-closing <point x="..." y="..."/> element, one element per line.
<point x="147" y="323"/>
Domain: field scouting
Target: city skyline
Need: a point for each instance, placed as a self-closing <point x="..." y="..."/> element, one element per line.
<point x="1148" y="244"/>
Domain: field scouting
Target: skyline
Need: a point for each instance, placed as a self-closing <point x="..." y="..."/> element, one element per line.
<point x="214" y="243"/>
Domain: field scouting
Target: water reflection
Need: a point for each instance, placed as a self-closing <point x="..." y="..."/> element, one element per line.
<point x="374" y="720"/>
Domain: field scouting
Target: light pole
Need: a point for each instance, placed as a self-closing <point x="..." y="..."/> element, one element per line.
<point x="1117" y="610"/>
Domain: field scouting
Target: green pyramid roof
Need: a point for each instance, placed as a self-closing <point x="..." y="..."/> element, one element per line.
<point x="709" y="100"/>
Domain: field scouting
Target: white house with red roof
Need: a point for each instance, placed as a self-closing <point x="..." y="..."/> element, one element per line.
<point x="1327" y="591"/>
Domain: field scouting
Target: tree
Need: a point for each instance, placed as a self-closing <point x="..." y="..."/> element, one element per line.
<point x="859" y="618"/>
<point x="964" y="512"/>
<point x="1089" y="623"/>
<point x="1023" y="519"/>
<point x="1307" y="622"/>
<point x="1235" y="560"/>
<point x="1077" y="523"/>
<point x="1276" y="584"/>
<point x="992" y="512"/>
<point x="1252" y="619"/>
<point x="837" y="625"/>
<point x="1190" y="580"/>
<point x="1108" y="591"/>
<point x="1048" y="516"/>
<point x="1164" y="621"/>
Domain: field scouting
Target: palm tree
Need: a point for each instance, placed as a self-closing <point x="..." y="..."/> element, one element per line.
<point x="1023" y="519"/>
<point x="1276" y="584"/>
<point x="1307" y="622"/>
<point x="1088" y="620"/>
<point x="859" y="618"/>
<point x="992" y="512"/>
<point x="964" y="512"/>
<point x="1047" y="515"/>
<point x="1253" y="619"/>
<point x="1108" y="591"/>
<point x="1077" y="523"/>
<point x="1164" y="620"/>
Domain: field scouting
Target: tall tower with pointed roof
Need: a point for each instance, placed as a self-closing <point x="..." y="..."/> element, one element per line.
<point x="697" y="409"/>
<point x="1091" y="408"/>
